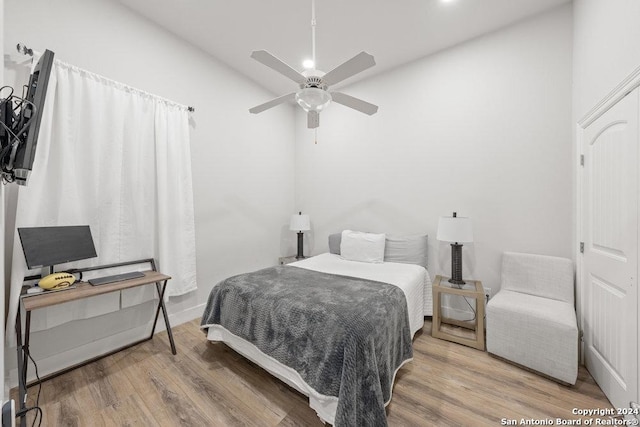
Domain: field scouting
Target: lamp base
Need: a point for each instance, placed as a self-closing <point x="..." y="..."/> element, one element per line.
<point x="300" y="255"/>
<point x="456" y="264"/>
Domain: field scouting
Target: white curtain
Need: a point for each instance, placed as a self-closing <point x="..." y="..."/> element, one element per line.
<point x="117" y="159"/>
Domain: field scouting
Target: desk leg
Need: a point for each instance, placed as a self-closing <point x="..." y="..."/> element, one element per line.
<point x="22" y="371"/>
<point x="164" y="313"/>
<point x="27" y="334"/>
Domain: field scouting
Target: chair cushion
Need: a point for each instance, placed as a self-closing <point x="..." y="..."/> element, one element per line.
<point x="536" y="332"/>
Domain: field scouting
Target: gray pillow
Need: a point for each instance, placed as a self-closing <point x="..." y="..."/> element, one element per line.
<point x="334" y="243"/>
<point x="406" y="249"/>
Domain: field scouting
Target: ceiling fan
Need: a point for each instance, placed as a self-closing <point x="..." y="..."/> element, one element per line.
<point x="313" y="94"/>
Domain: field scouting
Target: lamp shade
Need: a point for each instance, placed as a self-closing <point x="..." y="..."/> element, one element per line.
<point x="455" y="229"/>
<point x="299" y="222"/>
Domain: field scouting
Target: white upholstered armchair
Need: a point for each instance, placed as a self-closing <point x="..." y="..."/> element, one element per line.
<point x="532" y="320"/>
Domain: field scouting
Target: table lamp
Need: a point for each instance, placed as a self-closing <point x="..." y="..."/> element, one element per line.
<point x="299" y="223"/>
<point x="455" y="229"/>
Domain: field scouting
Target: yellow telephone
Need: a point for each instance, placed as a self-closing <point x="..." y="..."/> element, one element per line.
<point x="59" y="280"/>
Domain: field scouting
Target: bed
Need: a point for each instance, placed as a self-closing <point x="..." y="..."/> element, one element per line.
<point x="336" y="330"/>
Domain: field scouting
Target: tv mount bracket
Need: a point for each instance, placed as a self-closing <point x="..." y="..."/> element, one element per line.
<point x="16" y="117"/>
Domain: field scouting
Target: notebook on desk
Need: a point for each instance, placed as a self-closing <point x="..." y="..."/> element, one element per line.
<point x="115" y="278"/>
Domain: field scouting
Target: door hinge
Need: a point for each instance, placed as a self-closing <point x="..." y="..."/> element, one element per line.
<point x="581" y="159"/>
<point x="581" y="247"/>
<point x="581" y="336"/>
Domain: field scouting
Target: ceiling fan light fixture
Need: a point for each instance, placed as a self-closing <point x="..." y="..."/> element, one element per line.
<point x="313" y="99"/>
<point x="313" y="84"/>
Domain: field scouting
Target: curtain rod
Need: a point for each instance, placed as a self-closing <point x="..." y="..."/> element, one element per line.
<point x="23" y="49"/>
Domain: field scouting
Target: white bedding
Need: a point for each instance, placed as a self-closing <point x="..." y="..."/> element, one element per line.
<point x="414" y="281"/>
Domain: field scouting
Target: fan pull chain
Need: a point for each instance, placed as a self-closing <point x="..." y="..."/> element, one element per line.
<point x="315" y="137"/>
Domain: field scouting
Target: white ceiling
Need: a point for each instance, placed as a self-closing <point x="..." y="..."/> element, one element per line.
<point x="394" y="32"/>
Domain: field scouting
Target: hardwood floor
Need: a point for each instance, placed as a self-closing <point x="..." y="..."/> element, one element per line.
<point x="208" y="384"/>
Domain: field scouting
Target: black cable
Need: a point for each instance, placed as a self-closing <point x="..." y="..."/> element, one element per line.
<point x="38" y="394"/>
<point x="10" y="94"/>
<point x="470" y="306"/>
<point x="24" y="412"/>
<point x="9" y="130"/>
<point x="15" y="136"/>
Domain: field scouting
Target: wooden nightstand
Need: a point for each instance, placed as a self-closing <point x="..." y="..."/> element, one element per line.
<point x="472" y="289"/>
<point x="288" y="259"/>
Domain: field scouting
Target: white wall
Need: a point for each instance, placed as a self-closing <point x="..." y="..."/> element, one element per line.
<point x="242" y="164"/>
<point x="483" y="129"/>
<point x="606" y="48"/>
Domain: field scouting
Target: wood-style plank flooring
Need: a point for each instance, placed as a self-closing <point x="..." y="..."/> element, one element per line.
<point x="208" y="384"/>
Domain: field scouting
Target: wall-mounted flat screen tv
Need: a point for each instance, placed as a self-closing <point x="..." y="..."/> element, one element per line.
<point x="20" y="125"/>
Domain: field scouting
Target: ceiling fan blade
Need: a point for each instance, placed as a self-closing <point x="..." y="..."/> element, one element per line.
<point x="358" y="63"/>
<point x="313" y="119"/>
<point x="355" y="103"/>
<point x="274" y="63"/>
<point x="284" y="98"/>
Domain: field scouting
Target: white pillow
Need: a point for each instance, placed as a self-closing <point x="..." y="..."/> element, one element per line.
<point x="359" y="246"/>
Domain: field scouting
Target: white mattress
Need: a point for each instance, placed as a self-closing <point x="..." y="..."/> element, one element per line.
<point x="412" y="279"/>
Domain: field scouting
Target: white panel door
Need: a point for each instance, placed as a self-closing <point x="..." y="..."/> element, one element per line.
<point x="610" y="273"/>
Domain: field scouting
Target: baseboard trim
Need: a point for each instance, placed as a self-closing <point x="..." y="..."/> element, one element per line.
<point x="181" y="317"/>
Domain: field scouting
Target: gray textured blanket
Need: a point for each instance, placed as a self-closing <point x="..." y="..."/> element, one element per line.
<point x="345" y="336"/>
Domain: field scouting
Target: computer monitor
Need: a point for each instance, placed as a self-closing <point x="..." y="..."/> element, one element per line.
<point x="49" y="246"/>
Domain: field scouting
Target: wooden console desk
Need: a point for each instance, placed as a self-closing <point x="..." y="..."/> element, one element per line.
<point x="85" y="290"/>
<point x="82" y="290"/>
